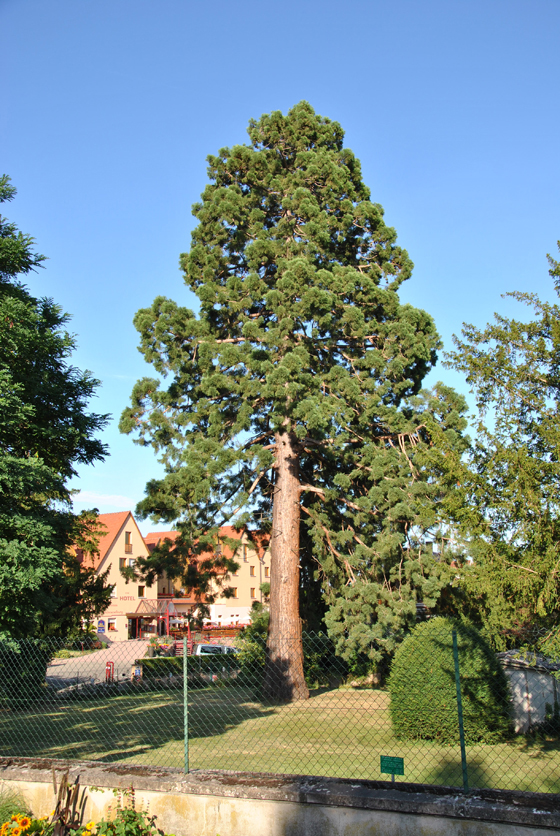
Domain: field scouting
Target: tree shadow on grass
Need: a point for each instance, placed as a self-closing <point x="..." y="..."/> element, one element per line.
<point x="485" y="773"/>
<point x="147" y="726"/>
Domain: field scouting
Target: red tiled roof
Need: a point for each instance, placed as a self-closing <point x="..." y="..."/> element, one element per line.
<point x="113" y="524"/>
<point x="257" y="538"/>
<point x="260" y="540"/>
<point x="154" y="537"/>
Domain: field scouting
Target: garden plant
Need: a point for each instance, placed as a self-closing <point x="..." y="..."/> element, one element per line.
<point x="423" y="688"/>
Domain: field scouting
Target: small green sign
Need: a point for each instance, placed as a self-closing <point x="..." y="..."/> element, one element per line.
<point x="392" y="766"/>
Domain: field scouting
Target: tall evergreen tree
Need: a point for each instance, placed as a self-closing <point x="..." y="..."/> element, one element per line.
<point x="44" y="432"/>
<point x="288" y="390"/>
<point x="507" y="504"/>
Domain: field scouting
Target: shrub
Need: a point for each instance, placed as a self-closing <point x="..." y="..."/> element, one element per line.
<point x="161" y="666"/>
<point x="201" y="668"/>
<point x="423" y="691"/>
<point x="23" y="669"/>
<point x="320" y="663"/>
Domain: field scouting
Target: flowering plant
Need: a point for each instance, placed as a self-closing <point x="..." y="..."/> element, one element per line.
<point x="21" y="823"/>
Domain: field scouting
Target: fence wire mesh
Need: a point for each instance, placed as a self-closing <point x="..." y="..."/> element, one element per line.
<point x="127" y="703"/>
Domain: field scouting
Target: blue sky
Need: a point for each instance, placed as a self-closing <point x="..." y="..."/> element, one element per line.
<point x="110" y="109"/>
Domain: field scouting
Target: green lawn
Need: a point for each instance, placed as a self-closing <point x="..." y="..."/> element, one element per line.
<point x="338" y="732"/>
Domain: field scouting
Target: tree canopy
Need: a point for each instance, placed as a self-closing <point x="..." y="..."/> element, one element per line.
<point x="294" y="398"/>
<point x="507" y="503"/>
<point x="45" y="432"/>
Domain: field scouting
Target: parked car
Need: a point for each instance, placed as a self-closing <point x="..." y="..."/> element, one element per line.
<point x="212" y="649"/>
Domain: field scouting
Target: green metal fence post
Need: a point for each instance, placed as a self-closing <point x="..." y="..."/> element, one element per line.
<point x="460" y="713"/>
<point x="186" y="703"/>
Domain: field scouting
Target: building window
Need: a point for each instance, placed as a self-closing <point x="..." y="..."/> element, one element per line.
<point x="141" y="590"/>
<point x="131" y="562"/>
<point x="234" y="592"/>
<point x="112" y="625"/>
<point x="218" y="548"/>
<point x="80" y="555"/>
<point x="122" y="562"/>
<point x="114" y="592"/>
<point x="245" y="558"/>
<point x="252" y="592"/>
<point x="252" y="571"/>
<point x="127" y="543"/>
<point x="267" y="571"/>
<point x="164" y="590"/>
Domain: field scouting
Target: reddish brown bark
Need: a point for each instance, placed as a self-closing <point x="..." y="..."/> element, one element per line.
<point x="284" y="677"/>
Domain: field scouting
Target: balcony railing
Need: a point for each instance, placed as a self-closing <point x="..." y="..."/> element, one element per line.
<point x="128" y="548"/>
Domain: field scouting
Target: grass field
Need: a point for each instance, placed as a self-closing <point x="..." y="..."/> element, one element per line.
<point x="337" y="732"/>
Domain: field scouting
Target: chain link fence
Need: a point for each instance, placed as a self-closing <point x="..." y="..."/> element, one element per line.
<point x="449" y="712"/>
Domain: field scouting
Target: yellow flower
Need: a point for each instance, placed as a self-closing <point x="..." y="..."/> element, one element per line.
<point x="90" y="825"/>
<point x="25" y="821"/>
<point x="15" y="818"/>
<point x="15" y="831"/>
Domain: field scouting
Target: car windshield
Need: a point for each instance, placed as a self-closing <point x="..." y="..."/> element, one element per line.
<point x="209" y="648"/>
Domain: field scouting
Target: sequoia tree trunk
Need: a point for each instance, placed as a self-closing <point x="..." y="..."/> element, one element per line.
<point x="284" y="679"/>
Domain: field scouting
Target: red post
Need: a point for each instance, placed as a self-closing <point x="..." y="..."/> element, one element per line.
<point x="109" y="672"/>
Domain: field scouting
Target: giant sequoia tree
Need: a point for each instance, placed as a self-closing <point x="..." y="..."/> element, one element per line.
<point x="288" y="398"/>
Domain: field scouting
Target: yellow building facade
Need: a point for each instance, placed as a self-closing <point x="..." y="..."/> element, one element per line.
<point x="121" y="547"/>
<point x="138" y="610"/>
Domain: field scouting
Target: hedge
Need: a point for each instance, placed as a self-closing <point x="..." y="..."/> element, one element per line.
<point x="164" y="666"/>
<point x="423" y="690"/>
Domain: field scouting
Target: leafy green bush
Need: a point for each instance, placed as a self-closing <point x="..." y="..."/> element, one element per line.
<point x="423" y="691"/>
<point x="320" y="663"/>
<point x="23" y="670"/>
<point x="201" y="669"/>
<point x="161" y="666"/>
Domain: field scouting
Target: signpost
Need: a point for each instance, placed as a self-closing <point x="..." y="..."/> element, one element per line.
<point x="391" y="766"/>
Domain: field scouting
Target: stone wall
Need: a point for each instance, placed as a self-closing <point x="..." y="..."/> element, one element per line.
<point x="248" y="804"/>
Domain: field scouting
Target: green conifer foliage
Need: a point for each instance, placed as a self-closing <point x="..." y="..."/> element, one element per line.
<point x="292" y="397"/>
<point x="45" y="431"/>
<point x="507" y="504"/>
